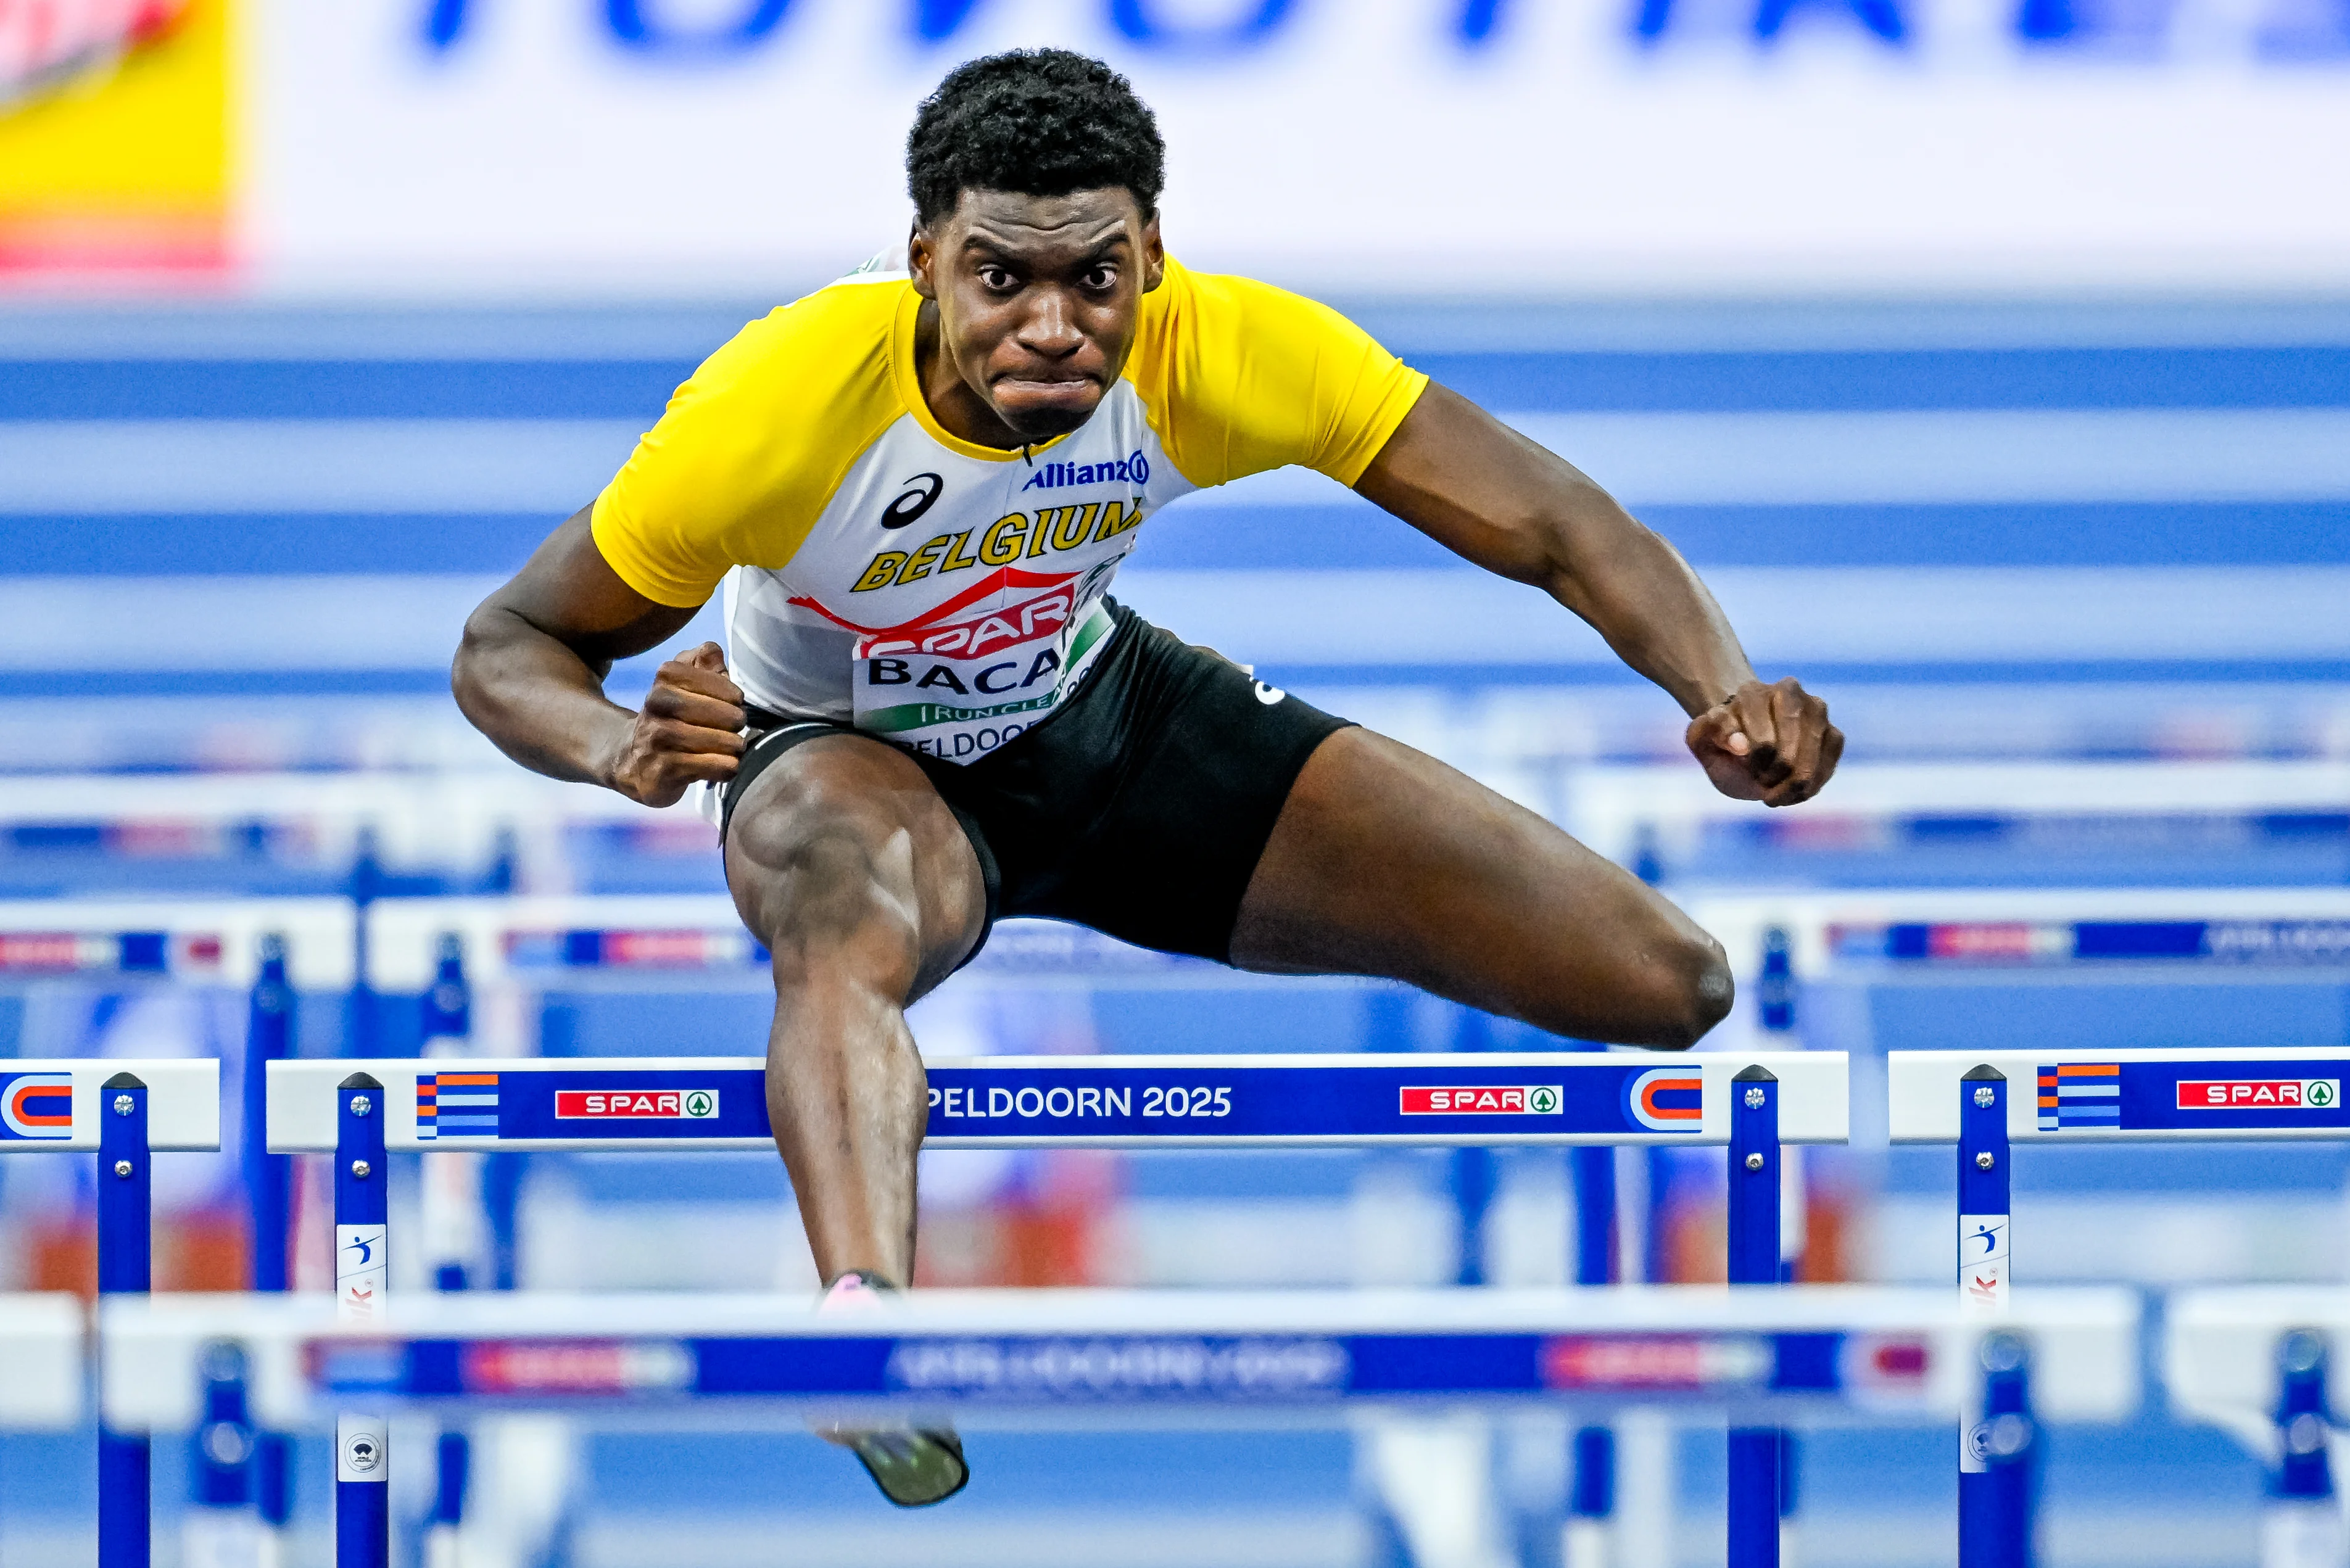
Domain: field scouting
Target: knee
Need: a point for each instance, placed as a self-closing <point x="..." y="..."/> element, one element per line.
<point x="810" y="873"/>
<point x="1694" y="990"/>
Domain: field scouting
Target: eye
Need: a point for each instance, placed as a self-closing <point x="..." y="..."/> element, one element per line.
<point x="991" y="276"/>
<point x="1101" y="278"/>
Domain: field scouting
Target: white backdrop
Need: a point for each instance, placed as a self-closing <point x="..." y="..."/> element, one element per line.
<point x="1347" y="146"/>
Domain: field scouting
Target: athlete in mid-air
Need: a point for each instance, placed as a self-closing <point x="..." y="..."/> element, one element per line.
<point x="915" y="486"/>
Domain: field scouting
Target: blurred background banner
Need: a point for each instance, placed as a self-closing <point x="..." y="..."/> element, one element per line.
<point x="697" y="146"/>
<point x="117" y="138"/>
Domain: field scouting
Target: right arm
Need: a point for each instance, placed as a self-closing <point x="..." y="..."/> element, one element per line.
<point x="530" y="675"/>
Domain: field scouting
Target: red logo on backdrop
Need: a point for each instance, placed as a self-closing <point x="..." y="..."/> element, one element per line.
<point x="656" y="949"/>
<point x="1899" y="1360"/>
<point x="1985" y="940"/>
<point x="40" y="950"/>
<point x="937" y="631"/>
<point x="574" y="1366"/>
<point x="626" y="1104"/>
<point x="1481" y="1100"/>
<point x="2259" y="1093"/>
<point x="1655" y="1361"/>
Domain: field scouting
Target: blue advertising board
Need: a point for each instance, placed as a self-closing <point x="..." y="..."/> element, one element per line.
<point x="1075" y="1101"/>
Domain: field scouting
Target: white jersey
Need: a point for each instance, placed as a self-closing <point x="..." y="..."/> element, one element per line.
<point x="883" y="572"/>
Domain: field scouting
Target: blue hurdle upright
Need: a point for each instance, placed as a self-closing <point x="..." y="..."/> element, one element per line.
<point x="1755" y="1102"/>
<point x="1986" y="1103"/>
<point x="123" y="1112"/>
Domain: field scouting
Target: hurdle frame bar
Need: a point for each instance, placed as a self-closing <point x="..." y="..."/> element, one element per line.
<point x="2229" y="1358"/>
<point x="1989" y="934"/>
<point x="2081" y="1096"/>
<point x="124" y="1112"/>
<point x="1598" y="1098"/>
<point x="1593" y="1090"/>
<point x="1754" y="1353"/>
<point x="1613" y="807"/>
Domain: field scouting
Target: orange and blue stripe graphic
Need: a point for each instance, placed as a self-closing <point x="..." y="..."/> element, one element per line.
<point x="456" y="1105"/>
<point x="2080" y="1094"/>
<point x="36" y="1106"/>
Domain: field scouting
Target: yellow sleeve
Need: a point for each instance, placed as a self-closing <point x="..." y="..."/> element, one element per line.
<point x="1239" y="377"/>
<point x="753" y="445"/>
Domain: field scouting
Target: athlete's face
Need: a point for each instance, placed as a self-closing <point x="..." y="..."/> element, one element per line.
<point x="1036" y="298"/>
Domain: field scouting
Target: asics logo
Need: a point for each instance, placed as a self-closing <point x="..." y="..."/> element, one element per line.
<point x="920" y="493"/>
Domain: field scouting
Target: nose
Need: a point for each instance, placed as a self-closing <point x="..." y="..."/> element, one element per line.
<point x="1050" y="328"/>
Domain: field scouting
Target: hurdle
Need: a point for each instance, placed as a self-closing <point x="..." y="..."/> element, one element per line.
<point x="1988" y="1102"/>
<point x="2264" y="1364"/>
<point x="185" y="941"/>
<point x="1088" y="1358"/>
<point x="1632" y="811"/>
<point x="641" y="939"/>
<point x="1755" y="1102"/>
<point x="124" y="1112"/>
<point x="1990" y="932"/>
<point x="1174" y="1357"/>
<point x="454" y="820"/>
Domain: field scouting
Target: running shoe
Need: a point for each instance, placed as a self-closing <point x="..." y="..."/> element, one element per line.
<point x="914" y="1466"/>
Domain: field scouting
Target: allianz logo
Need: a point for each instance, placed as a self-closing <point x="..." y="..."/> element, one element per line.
<point x="1131" y="470"/>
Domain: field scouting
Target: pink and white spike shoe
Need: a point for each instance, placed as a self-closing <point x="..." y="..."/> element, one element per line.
<point x="913" y="1467"/>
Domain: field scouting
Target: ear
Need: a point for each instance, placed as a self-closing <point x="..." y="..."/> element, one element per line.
<point x="1154" y="257"/>
<point x="921" y="258"/>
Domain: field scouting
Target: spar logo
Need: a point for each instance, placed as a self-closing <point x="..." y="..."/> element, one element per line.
<point x="1482" y="1100"/>
<point x="636" y="1105"/>
<point x="1685" y="1362"/>
<point x="36" y="1106"/>
<point x="1668" y="1099"/>
<point x="949" y="632"/>
<point x="2259" y="1093"/>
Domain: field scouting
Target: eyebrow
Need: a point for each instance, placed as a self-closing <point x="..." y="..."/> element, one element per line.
<point x="1114" y="239"/>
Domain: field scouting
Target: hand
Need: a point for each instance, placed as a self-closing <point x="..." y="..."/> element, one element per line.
<point x="690" y="728"/>
<point x="1772" y="744"/>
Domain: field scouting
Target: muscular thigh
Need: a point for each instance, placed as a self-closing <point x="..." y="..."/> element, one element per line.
<point x="842" y="852"/>
<point x="1386" y="862"/>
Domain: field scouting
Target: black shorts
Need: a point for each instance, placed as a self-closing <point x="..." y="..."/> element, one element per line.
<point x="1140" y="806"/>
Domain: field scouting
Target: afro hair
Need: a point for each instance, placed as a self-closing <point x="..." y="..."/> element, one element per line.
<point x="1033" y="123"/>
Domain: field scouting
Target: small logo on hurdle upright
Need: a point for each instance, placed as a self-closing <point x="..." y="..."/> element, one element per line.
<point x="456" y="1105"/>
<point x="2080" y="1094"/>
<point x="359" y="1272"/>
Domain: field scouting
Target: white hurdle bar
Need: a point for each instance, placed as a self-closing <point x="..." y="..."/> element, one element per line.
<point x="1838" y="1352"/>
<point x="453" y="817"/>
<point x="2265" y="1364"/>
<point x="41" y="1371"/>
<point x="201" y="942"/>
<point x="1987" y="933"/>
<point x="1615" y="808"/>
<point x="1989" y="1102"/>
<point x="659" y="938"/>
<point x="715" y="1104"/>
<point x="1755" y="1103"/>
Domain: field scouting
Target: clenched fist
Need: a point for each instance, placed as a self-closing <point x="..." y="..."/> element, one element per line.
<point x="1772" y="744"/>
<point x="690" y="728"/>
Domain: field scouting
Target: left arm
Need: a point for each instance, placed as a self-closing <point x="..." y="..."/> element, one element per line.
<point x="1488" y="494"/>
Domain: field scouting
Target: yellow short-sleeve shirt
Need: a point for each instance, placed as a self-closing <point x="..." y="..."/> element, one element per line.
<point x="886" y="572"/>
